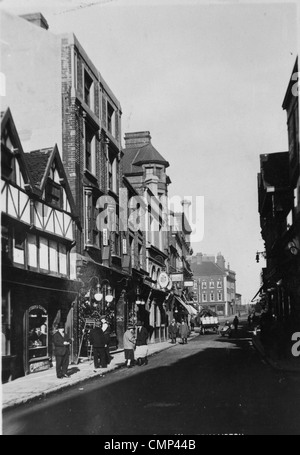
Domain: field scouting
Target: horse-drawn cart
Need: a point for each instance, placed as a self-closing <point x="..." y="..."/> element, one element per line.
<point x="207" y="320"/>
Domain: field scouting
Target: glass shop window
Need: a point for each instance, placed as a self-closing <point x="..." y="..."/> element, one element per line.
<point x="38" y="332"/>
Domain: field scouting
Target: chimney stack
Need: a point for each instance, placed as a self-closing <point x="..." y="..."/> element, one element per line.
<point x="36" y="19"/>
<point x="138" y="139"/>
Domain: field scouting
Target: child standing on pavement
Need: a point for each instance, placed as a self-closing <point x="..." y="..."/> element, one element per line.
<point x="129" y="341"/>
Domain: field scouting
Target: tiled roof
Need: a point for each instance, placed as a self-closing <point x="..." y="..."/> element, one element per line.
<point x="207" y="268"/>
<point x="134" y="157"/>
<point x="37" y="162"/>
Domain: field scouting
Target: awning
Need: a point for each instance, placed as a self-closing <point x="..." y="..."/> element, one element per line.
<point x="191" y="310"/>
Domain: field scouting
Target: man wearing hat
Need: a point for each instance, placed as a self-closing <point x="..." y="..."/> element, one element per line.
<point x="97" y="339"/>
<point x="61" y="343"/>
<point x="106" y="331"/>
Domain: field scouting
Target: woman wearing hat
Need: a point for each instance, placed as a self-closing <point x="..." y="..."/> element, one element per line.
<point x="141" y="344"/>
<point x="129" y="346"/>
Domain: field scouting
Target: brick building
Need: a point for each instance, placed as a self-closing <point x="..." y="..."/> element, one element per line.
<point x="215" y="283"/>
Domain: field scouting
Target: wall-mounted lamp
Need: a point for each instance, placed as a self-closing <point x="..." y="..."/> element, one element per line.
<point x="98" y="296"/>
<point x="260" y="253"/>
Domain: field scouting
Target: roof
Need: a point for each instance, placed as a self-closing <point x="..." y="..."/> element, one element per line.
<point x="206" y="269"/>
<point x="37" y="162"/>
<point x="134" y="157"/>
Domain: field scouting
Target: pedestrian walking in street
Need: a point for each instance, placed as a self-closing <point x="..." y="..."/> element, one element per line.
<point x="106" y="330"/>
<point x="61" y="343"/>
<point x="184" y="331"/>
<point x="129" y="341"/>
<point x="236" y="323"/>
<point x="173" y="331"/>
<point x="141" y="344"/>
<point x="98" y="341"/>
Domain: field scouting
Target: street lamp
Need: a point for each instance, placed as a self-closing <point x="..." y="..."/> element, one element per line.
<point x="260" y="253"/>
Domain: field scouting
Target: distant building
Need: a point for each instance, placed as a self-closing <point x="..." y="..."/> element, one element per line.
<point x="215" y="283"/>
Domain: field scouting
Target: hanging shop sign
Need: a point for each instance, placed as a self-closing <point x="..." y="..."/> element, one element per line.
<point x="189" y="284"/>
<point x="163" y="280"/>
<point x="105" y="237"/>
<point x="177" y="277"/>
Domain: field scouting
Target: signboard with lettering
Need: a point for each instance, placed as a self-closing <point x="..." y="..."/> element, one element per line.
<point x="177" y="277"/>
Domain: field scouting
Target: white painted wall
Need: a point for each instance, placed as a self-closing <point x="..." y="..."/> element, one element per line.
<point x="30" y="65"/>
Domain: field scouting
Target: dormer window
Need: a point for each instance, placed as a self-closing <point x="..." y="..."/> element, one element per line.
<point x="53" y="193"/>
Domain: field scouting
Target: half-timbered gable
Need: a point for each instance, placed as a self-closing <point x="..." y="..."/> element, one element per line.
<point x="54" y="212"/>
<point x="38" y="223"/>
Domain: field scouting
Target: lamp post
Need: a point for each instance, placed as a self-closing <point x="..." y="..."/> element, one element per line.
<point x="102" y="294"/>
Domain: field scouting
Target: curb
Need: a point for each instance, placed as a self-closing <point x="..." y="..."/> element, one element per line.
<point x="60" y="387"/>
<point x="260" y="349"/>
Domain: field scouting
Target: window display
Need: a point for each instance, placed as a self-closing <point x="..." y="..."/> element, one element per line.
<point x="38" y="332"/>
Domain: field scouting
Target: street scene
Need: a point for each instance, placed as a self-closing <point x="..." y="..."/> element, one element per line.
<point x="150" y="219"/>
<point x="207" y="386"/>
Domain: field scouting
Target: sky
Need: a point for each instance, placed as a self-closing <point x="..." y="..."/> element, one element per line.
<point x="207" y="79"/>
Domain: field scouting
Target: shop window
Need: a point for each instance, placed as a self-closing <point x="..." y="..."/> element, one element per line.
<point x="19" y="247"/>
<point x="37" y="333"/>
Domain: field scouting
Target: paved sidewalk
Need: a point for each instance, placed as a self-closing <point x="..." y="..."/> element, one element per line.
<point x="290" y="363"/>
<point x="38" y="385"/>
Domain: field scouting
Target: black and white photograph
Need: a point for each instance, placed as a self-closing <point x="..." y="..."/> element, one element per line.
<point x="150" y="220"/>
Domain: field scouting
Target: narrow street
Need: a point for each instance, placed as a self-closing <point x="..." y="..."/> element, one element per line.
<point x="212" y="385"/>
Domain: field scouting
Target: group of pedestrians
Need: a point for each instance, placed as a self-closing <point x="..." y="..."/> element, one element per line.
<point x="178" y="330"/>
<point x="135" y="341"/>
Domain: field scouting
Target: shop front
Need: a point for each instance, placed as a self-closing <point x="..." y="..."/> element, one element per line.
<point x="32" y="307"/>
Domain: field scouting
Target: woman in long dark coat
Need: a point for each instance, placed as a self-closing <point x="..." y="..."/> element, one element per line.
<point x="184" y="332"/>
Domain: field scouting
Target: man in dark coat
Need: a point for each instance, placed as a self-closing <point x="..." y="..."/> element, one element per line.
<point x="173" y="331"/>
<point x="106" y="330"/>
<point x="97" y="339"/>
<point x="61" y="343"/>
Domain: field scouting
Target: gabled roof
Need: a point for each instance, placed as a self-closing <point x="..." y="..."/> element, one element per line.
<point x="7" y="121"/>
<point x="135" y="157"/>
<point x="206" y="269"/>
<point x="40" y="162"/>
